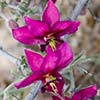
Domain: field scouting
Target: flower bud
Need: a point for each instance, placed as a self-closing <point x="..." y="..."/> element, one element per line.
<point x="13" y="24"/>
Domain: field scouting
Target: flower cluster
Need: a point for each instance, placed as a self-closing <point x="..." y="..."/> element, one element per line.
<point x="47" y="33"/>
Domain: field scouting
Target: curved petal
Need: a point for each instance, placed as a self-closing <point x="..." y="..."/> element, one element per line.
<point x="34" y="60"/>
<point x="51" y="14"/>
<point x="36" y="27"/>
<point x="29" y="80"/>
<point x="23" y="35"/>
<point x="65" y="55"/>
<point x="61" y="26"/>
<point x="49" y="63"/>
<point x="71" y="29"/>
<point x="86" y="93"/>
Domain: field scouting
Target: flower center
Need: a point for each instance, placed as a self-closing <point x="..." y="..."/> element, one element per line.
<point x="51" y="40"/>
<point x="50" y="80"/>
<point x="52" y="43"/>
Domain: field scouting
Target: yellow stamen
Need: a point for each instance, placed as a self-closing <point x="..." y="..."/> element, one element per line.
<point x="54" y="88"/>
<point x="50" y="78"/>
<point x="52" y="43"/>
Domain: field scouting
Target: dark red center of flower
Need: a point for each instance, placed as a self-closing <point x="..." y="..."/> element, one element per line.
<point x="51" y="41"/>
<point x="50" y="81"/>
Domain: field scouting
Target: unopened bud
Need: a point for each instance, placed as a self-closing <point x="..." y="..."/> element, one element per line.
<point x="13" y="24"/>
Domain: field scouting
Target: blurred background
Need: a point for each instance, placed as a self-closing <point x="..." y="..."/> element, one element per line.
<point x="86" y="39"/>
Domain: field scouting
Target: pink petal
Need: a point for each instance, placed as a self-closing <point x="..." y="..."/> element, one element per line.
<point x="55" y="98"/>
<point x="85" y="93"/>
<point x="71" y="29"/>
<point x="23" y="35"/>
<point x="51" y="14"/>
<point x="29" y="80"/>
<point x="66" y="98"/>
<point x="36" y="27"/>
<point x="49" y="63"/>
<point x="34" y="60"/>
<point x="61" y="26"/>
<point x="65" y="55"/>
<point x="53" y="0"/>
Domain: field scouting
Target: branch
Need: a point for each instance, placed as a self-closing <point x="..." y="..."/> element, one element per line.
<point x="34" y="91"/>
<point x="80" y="5"/>
<point x="9" y="56"/>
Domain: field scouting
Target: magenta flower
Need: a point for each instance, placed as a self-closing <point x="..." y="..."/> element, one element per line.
<point x="46" y="31"/>
<point x="47" y="68"/>
<point x="84" y="94"/>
